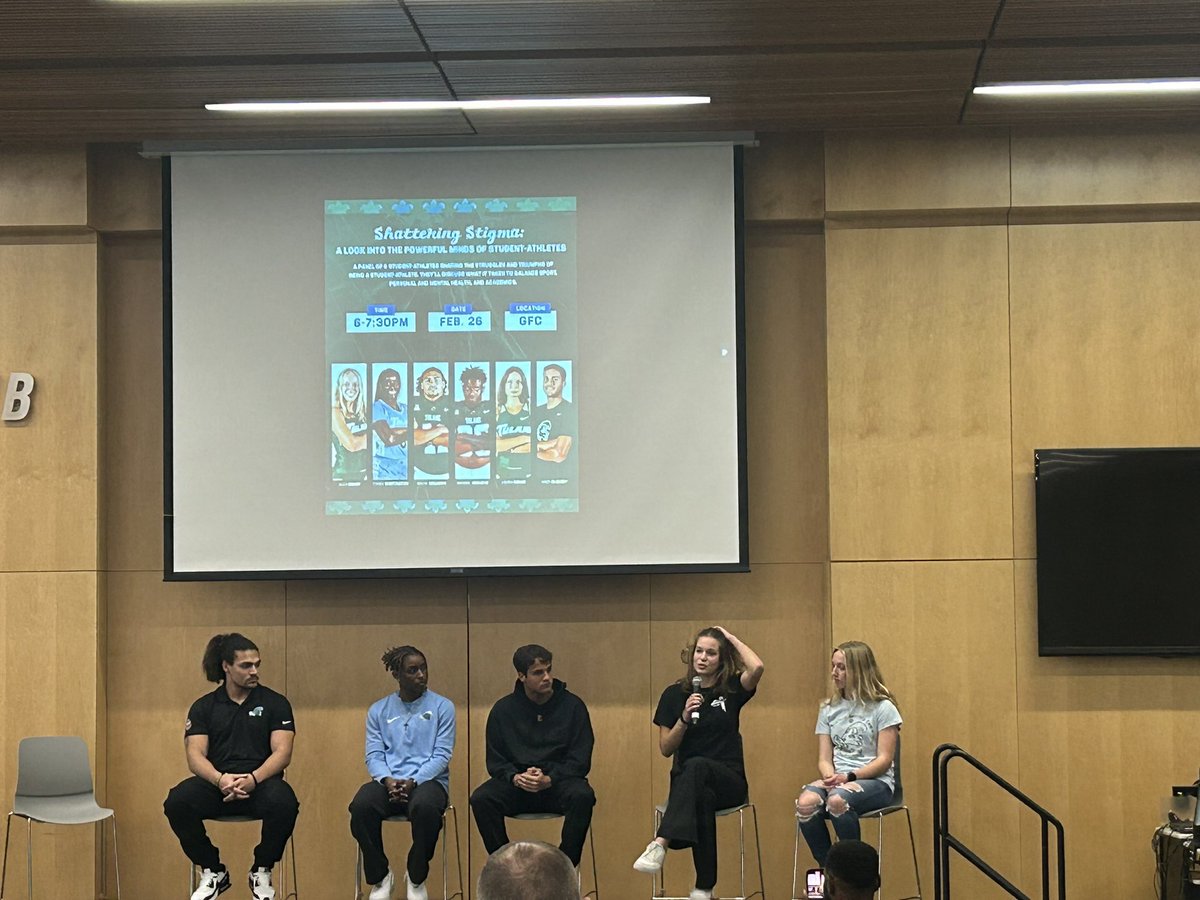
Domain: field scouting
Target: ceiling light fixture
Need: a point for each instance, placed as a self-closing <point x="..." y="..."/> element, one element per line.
<point x="518" y="103"/>
<point x="1072" y="88"/>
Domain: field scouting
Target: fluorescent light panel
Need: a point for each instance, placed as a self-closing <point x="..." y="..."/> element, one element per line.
<point x="285" y="106"/>
<point x="1071" y="88"/>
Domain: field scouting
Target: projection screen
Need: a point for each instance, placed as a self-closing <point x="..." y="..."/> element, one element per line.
<point x="454" y="362"/>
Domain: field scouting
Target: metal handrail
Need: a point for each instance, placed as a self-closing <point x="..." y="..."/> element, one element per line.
<point x="944" y="841"/>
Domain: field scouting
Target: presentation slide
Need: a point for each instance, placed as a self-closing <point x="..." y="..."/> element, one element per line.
<point x="454" y="362"/>
<point x="451" y="341"/>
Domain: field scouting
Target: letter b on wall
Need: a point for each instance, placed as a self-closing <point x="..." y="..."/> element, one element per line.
<point x="16" y="398"/>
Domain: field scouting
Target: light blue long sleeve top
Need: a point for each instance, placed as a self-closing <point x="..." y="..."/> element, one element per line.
<point x="411" y="740"/>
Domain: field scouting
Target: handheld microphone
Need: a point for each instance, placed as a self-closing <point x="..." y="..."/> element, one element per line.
<point x="695" y="690"/>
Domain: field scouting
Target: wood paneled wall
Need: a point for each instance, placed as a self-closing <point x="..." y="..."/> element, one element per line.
<point x="956" y="347"/>
<point x="51" y="653"/>
<point x="923" y="308"/>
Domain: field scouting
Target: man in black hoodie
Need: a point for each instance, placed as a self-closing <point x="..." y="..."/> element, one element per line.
<point x="539" y="752"/>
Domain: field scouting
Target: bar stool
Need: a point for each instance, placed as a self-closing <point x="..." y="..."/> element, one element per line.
<point x="658" y="881"/>
<point x="401" y="817"/>
<point x="535" y="816"/>
<point x="897" y="805"/>
<point x="293" y="894"/>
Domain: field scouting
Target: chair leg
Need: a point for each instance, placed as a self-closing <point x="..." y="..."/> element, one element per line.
<point x="461" y="892"/>
<point x="29" y="855"/>
<point x="116" y="857"/>
<point x="912" y="843"/>
<point x="796" y="861"/>
<point x="294" y="894"/>
<point x="595" y="891"/>
<point x="762" y="887"/>
<point x="658" y="882"/>
<point x="4" y="869"/>
<point x="879" y="890"/>
<point x="357" y="872"/>
<point x="742" y="854"/>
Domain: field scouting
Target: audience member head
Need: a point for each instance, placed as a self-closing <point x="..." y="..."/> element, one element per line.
<point x="851" y="871"/>
<point x="528" y="870"/>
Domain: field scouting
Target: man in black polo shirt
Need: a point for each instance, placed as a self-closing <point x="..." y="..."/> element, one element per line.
<point x="238" y="740"/>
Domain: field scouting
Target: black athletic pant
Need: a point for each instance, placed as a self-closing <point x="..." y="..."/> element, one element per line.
<point x="573" y="798"/>
<point x="424" y="809"/>
<point x="701" y="788"/>
<point x="192" y="801"/>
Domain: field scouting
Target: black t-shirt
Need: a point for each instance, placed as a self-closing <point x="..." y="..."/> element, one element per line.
<point x="716" y="735"/>
<point x="239" y="735"/>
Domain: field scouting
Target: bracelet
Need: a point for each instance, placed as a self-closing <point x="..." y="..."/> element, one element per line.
<point x="851" y="776"/>
<point x="220" y="775"/>
<point x="256" y="780"/>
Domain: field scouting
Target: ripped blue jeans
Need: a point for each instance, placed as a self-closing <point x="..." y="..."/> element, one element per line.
<point x="871" y="794"/>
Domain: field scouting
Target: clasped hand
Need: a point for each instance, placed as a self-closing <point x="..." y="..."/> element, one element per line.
<point x="236" y="787"/>
<point x="532" y="779"/>
<point x="399" y="789"/>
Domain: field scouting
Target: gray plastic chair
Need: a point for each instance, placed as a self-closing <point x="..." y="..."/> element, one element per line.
<point x="54" y="787"/>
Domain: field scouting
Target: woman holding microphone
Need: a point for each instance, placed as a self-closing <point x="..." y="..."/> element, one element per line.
<point x="698" y="720"/>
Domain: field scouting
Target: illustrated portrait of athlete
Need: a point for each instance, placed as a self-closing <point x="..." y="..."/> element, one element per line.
<point x="513" y="425"/>
<point x="472" y="418"/>
<point x="556" y="422"/>
<point x="349" y="436"/>
<point x="431" y="423"/>
<point x="389" y="427"/>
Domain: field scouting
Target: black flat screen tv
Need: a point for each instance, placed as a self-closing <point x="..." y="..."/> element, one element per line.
<point x="1118" y="551"/>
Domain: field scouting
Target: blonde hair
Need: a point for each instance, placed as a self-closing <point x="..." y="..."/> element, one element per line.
<point x="354" y="411"/>
<point x="864" y="680"/>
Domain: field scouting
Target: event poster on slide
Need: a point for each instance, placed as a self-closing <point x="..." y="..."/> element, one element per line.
<point x="451" y="342"/>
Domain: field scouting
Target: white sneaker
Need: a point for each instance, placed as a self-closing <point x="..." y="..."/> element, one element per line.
<point x="700" y="894"/>
<point x="383" y="890"/>
<point x="211" y="884"/>
<point x="415" y="891"/>
<point x="651" y="859"/>
<point x="260" y="884"/>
